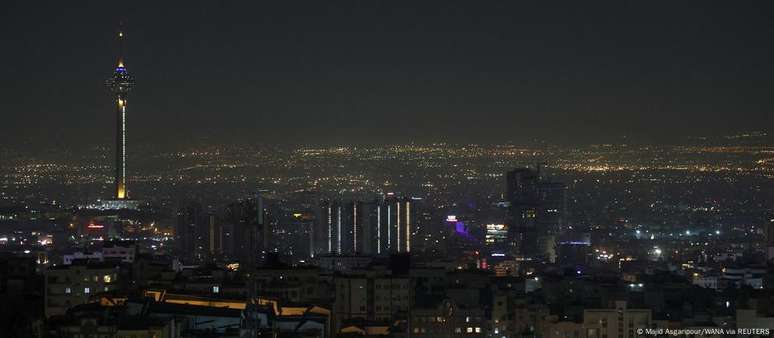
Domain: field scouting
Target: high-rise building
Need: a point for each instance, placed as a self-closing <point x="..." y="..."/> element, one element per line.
<point x="228" y="239"/>
<point x="245" y="231"/>
<point x="370" y="228"/>
<point x="328" y="234"/>
<point x="368" y="235"/>
<point x="537" y="212"/>
<point x="214" y="235"/>
<point x="400" y="221"/>
<point x="358" y="228"/>
<point x="120" y="84"/>
<point x="190" y="221"/>
<point x="340" y="227"/>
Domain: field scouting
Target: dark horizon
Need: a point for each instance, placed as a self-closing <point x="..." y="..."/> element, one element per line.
<point x="357" y="73"/>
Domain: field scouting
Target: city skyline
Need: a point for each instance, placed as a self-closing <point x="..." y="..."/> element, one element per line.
<point x="381" y="170"/>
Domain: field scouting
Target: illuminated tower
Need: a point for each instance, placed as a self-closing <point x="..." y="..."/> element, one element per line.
<point x="120" y="83"/>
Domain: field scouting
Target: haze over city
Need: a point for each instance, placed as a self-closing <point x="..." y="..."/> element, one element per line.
<point x="349" y="72"/>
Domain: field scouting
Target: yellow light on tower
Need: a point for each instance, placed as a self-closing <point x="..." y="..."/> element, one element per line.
<point x="408" y="227"/>
<point x="120" y="83"/>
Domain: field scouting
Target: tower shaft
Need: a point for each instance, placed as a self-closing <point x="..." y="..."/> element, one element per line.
<point x="120" y="176"/>
<point x="120" y="83"/>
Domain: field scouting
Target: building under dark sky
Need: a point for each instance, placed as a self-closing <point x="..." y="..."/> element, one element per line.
<point x="353" y="72"/>
<point x="120" y="84"/>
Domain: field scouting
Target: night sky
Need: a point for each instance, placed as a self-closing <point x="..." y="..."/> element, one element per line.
<point x="391" y="71"/>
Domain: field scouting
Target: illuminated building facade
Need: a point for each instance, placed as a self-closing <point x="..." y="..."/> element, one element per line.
<point x="371" y="228"/>
<point x="343" y="228"/>
<point x="329" y="232"/>
<point x="359" y="225"/>
<point x="120" y="84"/>
<point x="400" y="221"/>
<point x="496" y="237"/>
